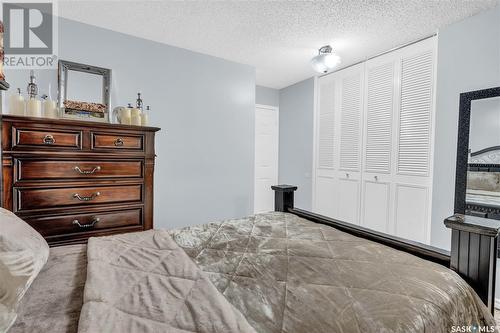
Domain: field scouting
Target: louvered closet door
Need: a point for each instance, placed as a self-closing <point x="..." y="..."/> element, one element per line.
<point x="380" y="94"/>
<point x="325" y="193"/>
<point x="413" y="178"/>
<point x="374" y="139"/>
<point x="350" y="110"/>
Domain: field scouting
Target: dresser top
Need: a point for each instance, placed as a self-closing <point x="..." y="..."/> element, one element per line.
<point x="80" y="123"/>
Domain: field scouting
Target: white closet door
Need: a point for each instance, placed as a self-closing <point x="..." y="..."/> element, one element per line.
<point x="380" y="108"/>
<point x="350" y="110"/>
<point x="325" y="189"/>
<point x="374" y="142"/>
<point x="413" y="178"/>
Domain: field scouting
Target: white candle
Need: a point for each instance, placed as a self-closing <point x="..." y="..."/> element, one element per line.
<point x="135" y="116"/>
<point x="126" y="120"/>
<point x="144" y="119"/>
<point x="135" y="112"/>
<point x="49" y="109"/>
<point x="125" y="116"/>
<point x="16" y="104"/>
<point x="136" y="120"/>
<point x="33" y="108"/>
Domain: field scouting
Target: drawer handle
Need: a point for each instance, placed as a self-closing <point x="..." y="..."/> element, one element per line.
<point x="49" y="139"/>
<point x="89" y="225"/>
<point x="87" y="172"/>
<point x="89" y="198"/>
<point x="119" y="142"/>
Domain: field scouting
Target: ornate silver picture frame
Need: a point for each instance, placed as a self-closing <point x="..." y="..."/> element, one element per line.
<point x="84" y="91"/>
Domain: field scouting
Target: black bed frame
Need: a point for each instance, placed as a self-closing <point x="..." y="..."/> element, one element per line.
<point x="473" y="248"/>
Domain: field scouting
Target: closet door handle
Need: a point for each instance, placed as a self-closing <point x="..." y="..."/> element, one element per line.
<point x="89" y="225"/>
<point x="87" y="172"/>
<point x="89" y="198"/>
<point x="376" y="178"/>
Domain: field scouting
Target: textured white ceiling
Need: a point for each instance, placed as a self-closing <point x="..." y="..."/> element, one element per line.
<point x="277" y="37"/>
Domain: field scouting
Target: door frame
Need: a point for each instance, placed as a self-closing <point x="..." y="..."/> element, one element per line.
<point x="276" y="109"/>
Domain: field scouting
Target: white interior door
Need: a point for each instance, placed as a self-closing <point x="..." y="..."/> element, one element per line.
<point x="266" y="156"/>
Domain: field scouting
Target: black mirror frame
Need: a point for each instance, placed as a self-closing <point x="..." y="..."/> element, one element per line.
<point x="463" y="142"/>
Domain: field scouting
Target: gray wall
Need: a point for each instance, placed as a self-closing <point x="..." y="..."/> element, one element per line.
<point x="267" y="96"/>
<point x="296" y="139"/>
<point x="468" y="59"/>
<point x="205" y="106"/>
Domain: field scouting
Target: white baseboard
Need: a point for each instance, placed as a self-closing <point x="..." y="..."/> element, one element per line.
<point x="497" y="303"/>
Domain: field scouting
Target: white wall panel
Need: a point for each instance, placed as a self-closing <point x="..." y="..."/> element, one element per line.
<point x="379" y="117"/>
<point x="376" y="205"/>
<point x="326" y="123"/>
<point x="412" y="212"/>
<point x="414" y="141"/>
<point x="351" y="110"/>
<point x="326" y="194"/>
<point x="348" y="200"/>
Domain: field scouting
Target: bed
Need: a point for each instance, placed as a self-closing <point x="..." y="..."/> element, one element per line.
<point x="283" y="271"/>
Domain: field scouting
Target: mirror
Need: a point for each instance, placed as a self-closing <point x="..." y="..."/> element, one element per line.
<point x="84" y="91"/>
<point x="483" y="174"/>
<point x="81" y="86"/>
<point x="477" y="189"/>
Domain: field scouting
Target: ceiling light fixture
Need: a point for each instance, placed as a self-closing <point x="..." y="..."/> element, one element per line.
<point x="325" y="61"/>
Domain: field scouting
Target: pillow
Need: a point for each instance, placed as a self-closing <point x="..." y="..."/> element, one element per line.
<point x="23" y="253"/>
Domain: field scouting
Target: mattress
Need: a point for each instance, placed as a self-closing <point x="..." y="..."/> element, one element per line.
<point x="285" y="274"/>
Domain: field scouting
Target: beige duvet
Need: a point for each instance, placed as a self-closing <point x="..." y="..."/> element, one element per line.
<point x="271" y="272"/>
<point x="144" y="282"/>
<point x="287" y="274"/>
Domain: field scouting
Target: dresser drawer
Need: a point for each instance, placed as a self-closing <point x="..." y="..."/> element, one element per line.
<point x="68" y="224"/>
<point x="46" y="138"/>
<point x="29" y="169"/>
<point x="117" y="141"/>
<point x="35" y="198"/>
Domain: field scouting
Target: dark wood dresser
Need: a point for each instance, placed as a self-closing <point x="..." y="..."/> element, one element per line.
<point x="72" y="179"/>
